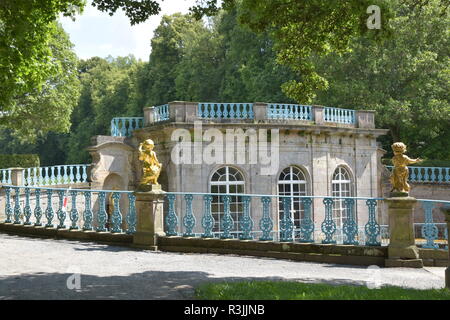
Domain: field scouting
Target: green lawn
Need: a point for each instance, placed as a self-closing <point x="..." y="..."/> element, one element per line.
<point x="287" y="290"/>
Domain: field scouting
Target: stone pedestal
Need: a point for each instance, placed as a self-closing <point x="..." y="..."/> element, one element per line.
<point x="150" y="220"/>
<point x="402" y="250"/>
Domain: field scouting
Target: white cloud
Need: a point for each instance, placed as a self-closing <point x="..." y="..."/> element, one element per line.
<point x="96" y="33"/>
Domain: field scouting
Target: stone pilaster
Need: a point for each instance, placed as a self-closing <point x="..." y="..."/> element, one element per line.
<point x="150" y="220"/>
<point x="318" y="114"/>
<point x="402" y="250"/>
<point x="17" y="178"/>
<point x="260" y="111"/>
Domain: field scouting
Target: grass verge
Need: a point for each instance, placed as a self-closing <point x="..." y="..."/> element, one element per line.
<point x="289" y="290"/>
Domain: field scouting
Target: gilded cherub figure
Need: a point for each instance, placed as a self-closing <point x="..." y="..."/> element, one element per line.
<point x="151" y="166"/>
<point x="400" y="173"/>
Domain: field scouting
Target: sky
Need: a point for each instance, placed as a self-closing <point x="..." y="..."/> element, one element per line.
<point x="96" y="33"/>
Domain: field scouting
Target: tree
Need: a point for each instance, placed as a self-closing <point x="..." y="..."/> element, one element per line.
<point x="47" y="108"/>
<point x="168" y="47"/>
<point x="304" y="28"/>
<point x="108" y="90"/>
<point x="405" y="79"/>
<point x="26" y="29"/>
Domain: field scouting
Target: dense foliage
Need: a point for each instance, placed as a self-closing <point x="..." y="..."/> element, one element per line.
<point x="236" y="56"/>
<point x="19" y="160"/>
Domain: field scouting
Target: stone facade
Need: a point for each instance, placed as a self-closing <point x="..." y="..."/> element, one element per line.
<point x="314" y="146"/>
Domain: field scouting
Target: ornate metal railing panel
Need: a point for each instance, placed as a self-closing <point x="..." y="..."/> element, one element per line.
<point x="75" y="209"/>
<point x="258" y="218"/>
<point x="289" y="112"/>
<point x="213" y="110"/>
<point x="161" y="113"/>
<point x="124" y="126"/>
<point x="338" y="115"/>
<point x="54" y="175"/>
<point x="5" y="176"/>
<point x="428" y="174"/>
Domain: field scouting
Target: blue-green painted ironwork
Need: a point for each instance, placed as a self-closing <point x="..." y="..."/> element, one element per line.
<point x="350" y="227"/>
<point x="73" y="211"/>
<point x="171" y="218"/>
<point x="289" y="111"/>
<point x="161" y="113"/>
<point x="228" y="227"/>
<point x="227" y="222"/>
<point x="27" y="208"/>
<point x="17" y="210"/>
<point x="55" y="175"/>
<point x="49" y="214"/>
<point x="207" y="219"/>
<point x="429" y="229"/>
<point x="328" y="225"/>
<point x="286" y="223"/>
<point x="61" y="213"/>
<point x="212" y="110"/>
<point x="124" y="126"/>
<point x="428" y="174"/>
<point x="188" y="219"/>
<point x="14" y="212"/>
<point x="116" y="218"/>
<point x="307" y="224"/>
<point x="102" y="217"/>
<point x="37" y="209"/>
<point x="338" y="115"/>
<point x="372" y="228"/>
<point x="266" y="223"/>
<point x="87" y="213"/>
<point x="8" y="209"/>
<point x="131" y="216"/>
<point x="246" y="222"/>
<point x="5" y="176"/>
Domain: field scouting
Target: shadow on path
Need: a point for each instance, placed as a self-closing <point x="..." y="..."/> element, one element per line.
<point x="146" y="285"/>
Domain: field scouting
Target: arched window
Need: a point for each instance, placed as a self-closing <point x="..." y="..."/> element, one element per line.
<point x="227" y="180"/>
<point x="292" y="182"/>
<point x="341" y="186"/>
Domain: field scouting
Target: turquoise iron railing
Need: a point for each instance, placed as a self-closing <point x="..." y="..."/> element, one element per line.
<point x="5" y="176"/>
<point x="65" y="174"/>
<point x="338" y="115"/>
<point x="228" y="224"/>
<point x="428" y="174"/>
<point x="161" y="113"/>
<point x="211" y="110"/>
<point x="432" y="232"/>
<point x="289" y="112"/>
<point x="124" y="126"/>
<point x="24" y="206"/>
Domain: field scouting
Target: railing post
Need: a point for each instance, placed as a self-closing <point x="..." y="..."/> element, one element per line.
<point x="150" y="220"/>
<point x="318" y="114"/>
<point x="17" y="176"/>
<point x="261" y="111"/>
<point x="402" y="250"/>
<point x="365" y="119"/>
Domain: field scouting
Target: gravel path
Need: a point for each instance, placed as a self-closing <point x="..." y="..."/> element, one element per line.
<point x="32" y="268"/>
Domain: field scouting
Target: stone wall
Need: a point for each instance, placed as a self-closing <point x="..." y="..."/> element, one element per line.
<point x="316" y="150"/>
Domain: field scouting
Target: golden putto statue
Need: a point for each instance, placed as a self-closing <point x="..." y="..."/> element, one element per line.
<point x="150" y="164"/>
<point x="400" y="173"/>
